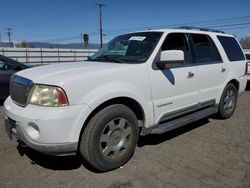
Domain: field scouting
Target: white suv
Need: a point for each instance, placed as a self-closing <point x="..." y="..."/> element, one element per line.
<point x="248" y="58"/>
<point x="141" y="83"/>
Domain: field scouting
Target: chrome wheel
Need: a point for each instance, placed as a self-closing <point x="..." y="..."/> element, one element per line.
<point x="229" y="101"/>
<point x="115" y="137"/>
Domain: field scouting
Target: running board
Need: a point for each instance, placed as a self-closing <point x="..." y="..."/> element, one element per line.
<point x="184" y="120"/>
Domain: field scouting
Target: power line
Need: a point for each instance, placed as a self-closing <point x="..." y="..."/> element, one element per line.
<point x="207" y="22"/>
<point x="230" y="25"/>
<point x="69" y="37"/>
<point x="223" y="24"/>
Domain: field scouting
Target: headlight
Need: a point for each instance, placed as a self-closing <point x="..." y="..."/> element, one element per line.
<point x="44" y="95"/>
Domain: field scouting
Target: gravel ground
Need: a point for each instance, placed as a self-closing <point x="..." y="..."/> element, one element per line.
<point x="208" y="153"/>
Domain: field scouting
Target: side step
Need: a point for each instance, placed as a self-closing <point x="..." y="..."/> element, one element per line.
<point x="184" y="120"/>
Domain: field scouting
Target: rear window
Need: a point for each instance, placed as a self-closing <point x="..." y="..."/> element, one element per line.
<point x="248" y="56"/>
<point x="232" y="48"/>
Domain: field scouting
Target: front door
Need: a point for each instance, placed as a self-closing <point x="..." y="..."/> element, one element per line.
<point x="176" y="87"/>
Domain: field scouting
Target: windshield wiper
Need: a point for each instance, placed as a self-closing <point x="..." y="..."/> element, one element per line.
<point x="108" y="58"/>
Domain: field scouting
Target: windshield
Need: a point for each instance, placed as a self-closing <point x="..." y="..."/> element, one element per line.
<point x="128" y="48"/>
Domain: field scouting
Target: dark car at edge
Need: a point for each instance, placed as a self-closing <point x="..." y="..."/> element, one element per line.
<point x="7" y="68"/>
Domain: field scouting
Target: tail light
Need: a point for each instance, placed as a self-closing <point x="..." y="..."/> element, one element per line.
<point x="246" y="69"/>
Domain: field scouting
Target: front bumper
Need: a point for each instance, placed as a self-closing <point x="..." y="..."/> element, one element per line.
<point x="50" y="130"/>
<point x="14" y="129"/>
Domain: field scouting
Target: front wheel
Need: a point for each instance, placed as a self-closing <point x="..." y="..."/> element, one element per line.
<point x="228" y="101"/>
<point x="110" y="138"/>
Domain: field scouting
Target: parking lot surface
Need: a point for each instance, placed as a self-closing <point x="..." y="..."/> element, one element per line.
<point x="208" y="153"/>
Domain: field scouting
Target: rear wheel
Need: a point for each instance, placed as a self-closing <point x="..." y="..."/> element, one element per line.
<point x="228" y="101"/>
<point x="110" y="138"/>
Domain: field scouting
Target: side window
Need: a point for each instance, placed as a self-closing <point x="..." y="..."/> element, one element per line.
<point x="5" y="66"/>
<point x="205" y="49"/>
<point x="248" y="56"/>
<point x="232" y="48"/>
<point x="177" y="41"/>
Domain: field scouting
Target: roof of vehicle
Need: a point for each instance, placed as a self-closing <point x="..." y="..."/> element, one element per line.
<point x="190" y="30"/>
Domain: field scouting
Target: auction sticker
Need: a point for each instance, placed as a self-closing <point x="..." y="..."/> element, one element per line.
<point x="137" y="38"/>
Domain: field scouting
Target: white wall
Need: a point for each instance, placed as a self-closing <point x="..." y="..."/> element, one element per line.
<point x="34" y="56"/>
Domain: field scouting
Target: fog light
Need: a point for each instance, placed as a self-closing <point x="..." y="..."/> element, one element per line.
<point x="33" y="130"/>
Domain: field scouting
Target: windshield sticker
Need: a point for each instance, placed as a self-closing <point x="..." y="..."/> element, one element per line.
<point x="137" y="38"/>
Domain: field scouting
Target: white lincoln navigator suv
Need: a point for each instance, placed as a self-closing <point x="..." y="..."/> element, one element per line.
<point x="140" y="83"/>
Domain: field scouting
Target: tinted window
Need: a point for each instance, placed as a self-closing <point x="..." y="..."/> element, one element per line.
<point x="205" y="49"/>
<point x="248" y="56"/>
<point x="177" y="41"/>
<point x="232" y="48"/>
<point x="5" y="66"/>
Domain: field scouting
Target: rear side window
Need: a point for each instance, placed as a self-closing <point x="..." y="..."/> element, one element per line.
<point x="205" y="49"/>
<point x="248" y="56"/>
<point x="232" y="48"/>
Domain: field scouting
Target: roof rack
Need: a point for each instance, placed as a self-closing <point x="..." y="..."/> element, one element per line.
<point x="200" y="29"/>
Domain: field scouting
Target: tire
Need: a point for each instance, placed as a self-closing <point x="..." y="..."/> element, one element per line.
<point x="228" y="101"/>
<point x="110" y="138"/>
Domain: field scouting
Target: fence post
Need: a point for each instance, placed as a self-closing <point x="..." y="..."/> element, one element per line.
<point x="41" y="50"/>
<point x="26" y="53"/>
<point x="75" y="55"/>
<point x="3" y="51"/>
<point x="58" y="54"/>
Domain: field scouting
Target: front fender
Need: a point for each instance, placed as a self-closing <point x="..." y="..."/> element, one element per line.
<point x="109" y="91"/>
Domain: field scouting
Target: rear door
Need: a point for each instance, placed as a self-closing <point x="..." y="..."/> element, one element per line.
<point x="210" y="69"/>
<point x="6" y="70"/>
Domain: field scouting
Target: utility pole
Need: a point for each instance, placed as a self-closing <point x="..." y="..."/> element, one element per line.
<point x="100" y="13"/>
<point x="81" y="39"/>
<point x="9" y="32"/>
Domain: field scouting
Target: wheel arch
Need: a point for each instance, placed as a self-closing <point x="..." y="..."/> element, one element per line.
<point x="236" y="84"/>
<point x="234" y="81"/>
<point x="129" y="102"/>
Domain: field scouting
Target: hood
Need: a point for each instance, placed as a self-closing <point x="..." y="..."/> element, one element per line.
<point x="56" y="74"/>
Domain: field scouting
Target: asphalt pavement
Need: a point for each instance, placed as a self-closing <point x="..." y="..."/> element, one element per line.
<point x="208" y="153"/>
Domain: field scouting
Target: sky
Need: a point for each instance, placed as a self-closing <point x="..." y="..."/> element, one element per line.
<point x="63" y="21"/>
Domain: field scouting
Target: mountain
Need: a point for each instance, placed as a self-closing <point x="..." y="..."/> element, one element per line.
<point x="70" y="45"/>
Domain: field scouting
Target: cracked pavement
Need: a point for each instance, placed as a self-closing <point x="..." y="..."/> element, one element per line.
<point x="208" y="153"/>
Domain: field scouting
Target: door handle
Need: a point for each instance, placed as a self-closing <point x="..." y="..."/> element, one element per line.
<point x="222" y="69"/>
<point x="190" y="75"/>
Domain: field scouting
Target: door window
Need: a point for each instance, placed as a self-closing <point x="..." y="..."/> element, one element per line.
<point x="205" y="49"/>
<point x="177" y="41"/>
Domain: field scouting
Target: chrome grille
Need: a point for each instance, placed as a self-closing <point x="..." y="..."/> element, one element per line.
<point x="19" y="89"/>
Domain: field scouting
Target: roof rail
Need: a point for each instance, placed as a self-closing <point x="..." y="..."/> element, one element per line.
<point x="200" y="29"/>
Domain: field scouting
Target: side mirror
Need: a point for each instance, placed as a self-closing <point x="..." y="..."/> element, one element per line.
<point x="170" y="57"/>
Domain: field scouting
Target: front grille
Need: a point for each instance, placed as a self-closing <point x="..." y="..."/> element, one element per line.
<point x="19" y="89"/>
